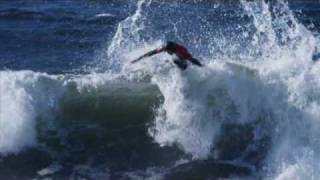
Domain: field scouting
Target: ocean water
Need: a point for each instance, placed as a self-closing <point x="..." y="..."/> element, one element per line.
<point x="73" y="107"/>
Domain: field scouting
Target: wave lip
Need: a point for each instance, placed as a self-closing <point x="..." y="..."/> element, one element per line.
<point x="31" y="102"/>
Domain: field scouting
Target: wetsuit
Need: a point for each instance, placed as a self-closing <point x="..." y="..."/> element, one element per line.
<point x="182" y="55"/>
<point x="173" y="48"/>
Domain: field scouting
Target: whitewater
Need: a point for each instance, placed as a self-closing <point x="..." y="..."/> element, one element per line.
<point x="254" y="106"/>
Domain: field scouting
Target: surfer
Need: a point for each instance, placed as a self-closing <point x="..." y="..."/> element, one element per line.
<point x="182" y="55"/>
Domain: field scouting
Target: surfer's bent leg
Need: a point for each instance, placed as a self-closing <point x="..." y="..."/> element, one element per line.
<point x="182" y="64"/>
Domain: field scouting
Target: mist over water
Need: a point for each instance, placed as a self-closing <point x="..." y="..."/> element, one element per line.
<point x="253" y="110"/>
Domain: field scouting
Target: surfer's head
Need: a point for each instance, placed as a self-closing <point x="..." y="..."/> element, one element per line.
<point x="170" y="47"/>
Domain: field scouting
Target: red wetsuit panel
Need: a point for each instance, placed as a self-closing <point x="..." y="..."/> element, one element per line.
<point x="182" y="52"/>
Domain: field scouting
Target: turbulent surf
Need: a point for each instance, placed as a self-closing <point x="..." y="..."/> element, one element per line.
<point x="81" y="110"/>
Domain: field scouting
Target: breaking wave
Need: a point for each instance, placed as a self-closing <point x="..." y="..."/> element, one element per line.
<point x="255" y="105"/>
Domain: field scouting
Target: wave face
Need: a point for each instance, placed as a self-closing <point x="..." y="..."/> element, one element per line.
<point x="252" y="111"/>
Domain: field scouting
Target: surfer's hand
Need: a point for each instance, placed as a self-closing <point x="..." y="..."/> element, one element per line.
<point x="134" y="61"/>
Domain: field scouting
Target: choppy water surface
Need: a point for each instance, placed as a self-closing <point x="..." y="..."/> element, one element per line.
<point x="72" y="107"/>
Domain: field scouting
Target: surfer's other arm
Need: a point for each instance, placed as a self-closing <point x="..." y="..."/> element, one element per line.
<point x="150" y="53"/>
<point x="195" y="61"/>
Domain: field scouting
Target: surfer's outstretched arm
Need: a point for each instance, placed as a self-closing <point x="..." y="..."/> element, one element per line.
<point x="150" y="53"/>
<point x="195" y="61"/>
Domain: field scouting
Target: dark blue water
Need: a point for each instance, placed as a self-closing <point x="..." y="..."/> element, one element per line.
<point x="80" y="122"/>
<point x="56" y="36"/>
<point x="63" y="36"/>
